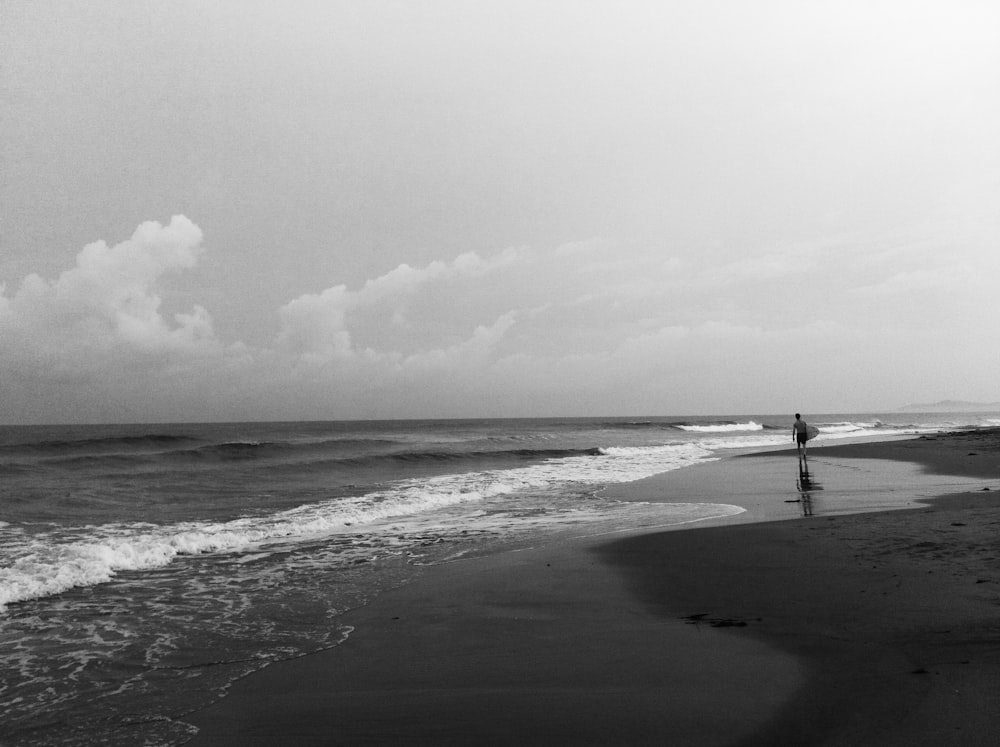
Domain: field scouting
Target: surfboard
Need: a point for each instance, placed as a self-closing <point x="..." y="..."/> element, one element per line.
<point x="811" y="432"/>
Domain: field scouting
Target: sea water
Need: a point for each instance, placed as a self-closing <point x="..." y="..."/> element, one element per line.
<point x="144" y="568"/>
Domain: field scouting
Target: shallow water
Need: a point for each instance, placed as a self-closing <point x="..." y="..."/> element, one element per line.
<point x="144" y="568"/>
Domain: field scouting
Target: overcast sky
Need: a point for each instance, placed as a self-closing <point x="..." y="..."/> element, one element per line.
<point x="244" y="210"/>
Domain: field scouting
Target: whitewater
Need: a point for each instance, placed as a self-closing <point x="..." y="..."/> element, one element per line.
<point x="138" y="560"/>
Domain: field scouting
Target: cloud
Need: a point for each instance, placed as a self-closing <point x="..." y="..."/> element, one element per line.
<point x="314" y="325"/>
<point x="471" y="352"/>
<point x="106" y="308"/>
<point x="97" y="334"/>
<point x="594" y="326"/>
<point x="318" y="327"/>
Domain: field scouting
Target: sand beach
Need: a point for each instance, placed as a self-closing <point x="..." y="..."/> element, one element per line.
<point x="856" y="602"/>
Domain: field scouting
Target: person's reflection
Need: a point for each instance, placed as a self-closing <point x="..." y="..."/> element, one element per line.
<point x="806" y="485"/>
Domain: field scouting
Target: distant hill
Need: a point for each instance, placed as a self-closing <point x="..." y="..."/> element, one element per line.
<point x="953" y="405"/>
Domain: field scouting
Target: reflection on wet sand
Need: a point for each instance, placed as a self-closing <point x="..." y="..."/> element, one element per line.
<point x="806" y="485"/>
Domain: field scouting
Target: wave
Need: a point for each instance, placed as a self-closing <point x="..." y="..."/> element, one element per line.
<point x="43" y="565"/>
<point x="869" y="427"/>
<point x="719" y="427"/>
<point x="355" y="453"/>
<point x="847" y="427"/>
<point x="634" y="424"/>
<point x="500" y="454"/>
<point x="181" y="447"/>
<point x="109" y="443"/>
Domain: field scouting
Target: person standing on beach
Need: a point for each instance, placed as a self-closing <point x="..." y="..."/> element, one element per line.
<point x="800" y="434"/>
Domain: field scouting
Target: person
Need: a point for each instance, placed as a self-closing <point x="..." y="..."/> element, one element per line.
<point x="800" y="434"/>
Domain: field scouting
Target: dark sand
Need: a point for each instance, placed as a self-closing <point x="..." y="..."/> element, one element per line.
<point x="877" y="628"/>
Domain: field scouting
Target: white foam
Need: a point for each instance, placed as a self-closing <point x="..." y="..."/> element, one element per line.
<point x="722" y="427"/>
<point x="44" y="564"/>
<point x="678" y="514"/>
<point x="852" y="428"/>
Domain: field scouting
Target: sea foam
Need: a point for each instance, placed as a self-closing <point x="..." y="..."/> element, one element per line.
<point x="722" y="427"/>
<point x="45" y="564"/>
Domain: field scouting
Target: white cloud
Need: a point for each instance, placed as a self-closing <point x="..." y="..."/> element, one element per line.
<point x="107" y="308"/>
<point x="593" y="326"/>
<point x="318" y="327"/>
<point x="470" y="353"/>
<point x="97" y="334"/>
<point x="314" y="324"/>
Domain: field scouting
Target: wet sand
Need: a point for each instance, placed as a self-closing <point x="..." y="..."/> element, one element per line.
<point x="794" y="623"/>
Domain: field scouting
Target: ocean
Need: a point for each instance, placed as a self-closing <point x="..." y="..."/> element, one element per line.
<point x="144" y="568"/>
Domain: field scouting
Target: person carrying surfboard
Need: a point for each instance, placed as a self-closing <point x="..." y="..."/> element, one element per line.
<point x="800" y="433"/>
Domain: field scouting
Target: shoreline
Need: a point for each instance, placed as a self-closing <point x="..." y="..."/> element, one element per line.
<point x="969" y="452"/>
<point x="836" y="628"/>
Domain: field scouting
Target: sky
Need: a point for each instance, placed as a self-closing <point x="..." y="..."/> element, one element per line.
<point x="274" y="210"/>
